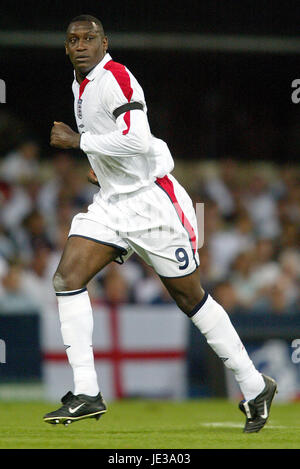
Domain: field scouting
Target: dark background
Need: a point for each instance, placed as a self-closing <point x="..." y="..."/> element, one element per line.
<point x="204" y="104"/>
<point x="267" y="17"/>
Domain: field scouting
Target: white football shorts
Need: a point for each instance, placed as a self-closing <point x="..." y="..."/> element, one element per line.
<point x="157" y="222"/>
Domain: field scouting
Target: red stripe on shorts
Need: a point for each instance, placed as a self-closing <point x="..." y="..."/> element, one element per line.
<point x="122" y="76"/>
<point x="166" y="184"/>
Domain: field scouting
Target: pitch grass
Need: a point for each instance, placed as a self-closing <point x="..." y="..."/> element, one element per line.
<point x="143" y="424"/>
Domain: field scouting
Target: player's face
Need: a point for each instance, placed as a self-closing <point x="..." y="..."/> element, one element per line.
<point x="85" y="45"/>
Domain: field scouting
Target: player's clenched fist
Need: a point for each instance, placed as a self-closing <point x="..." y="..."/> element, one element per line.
<point x="62" y="136"/>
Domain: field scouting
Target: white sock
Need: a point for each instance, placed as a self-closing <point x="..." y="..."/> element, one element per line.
<point x="213" y="321"/>
<point x="76" y="318"/>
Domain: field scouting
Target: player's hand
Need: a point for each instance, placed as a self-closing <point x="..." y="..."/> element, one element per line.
<point x="93" y="178"/>
<point x="62" y="136"/>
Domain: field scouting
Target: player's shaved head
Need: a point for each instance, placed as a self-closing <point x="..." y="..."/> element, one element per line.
<point x="87" y="19"/>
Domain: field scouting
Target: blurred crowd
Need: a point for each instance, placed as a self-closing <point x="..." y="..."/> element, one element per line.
<point x="250" y="259"/>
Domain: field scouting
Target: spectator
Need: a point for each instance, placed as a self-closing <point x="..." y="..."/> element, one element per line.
<point x="260" y="204"/>
<point x="218" y="187"/>
<point x="61" y="167"/>
<point x="36" y="280"/>
<point x="290" y="235"/>
<point x="8" y="249"/>
<point x="225" y="294"/>
<point x="16" y="204"/>
<point x="22" y="163"/>
<point x="242" y="279"/>
<point x="275" y="299"/>
<point x="236" y="237"/>
<point x="13" y="298"/>
<point x="266" y="269"/>
<point x="149" y="289"/>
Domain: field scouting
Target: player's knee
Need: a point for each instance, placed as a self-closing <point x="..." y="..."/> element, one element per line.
<point x="58" y="282"/>
<point x="67" y="282"/>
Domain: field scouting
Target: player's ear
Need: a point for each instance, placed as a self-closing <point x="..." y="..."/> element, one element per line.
<point x="66" y="48"/>
<point x="105" y="43"/>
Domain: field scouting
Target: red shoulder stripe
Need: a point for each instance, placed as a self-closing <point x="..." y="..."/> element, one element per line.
<point x="122" y="77"/>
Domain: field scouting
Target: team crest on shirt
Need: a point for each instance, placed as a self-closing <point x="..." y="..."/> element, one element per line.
<point x="79" y="108"/>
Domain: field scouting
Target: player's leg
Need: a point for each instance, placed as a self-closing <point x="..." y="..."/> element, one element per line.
<point x="186" y="291"/>
<point x="185" y="288"/>
<point x="169" y="245"/>
<point x="81" y="260"/>
<point x="213" y="321"/>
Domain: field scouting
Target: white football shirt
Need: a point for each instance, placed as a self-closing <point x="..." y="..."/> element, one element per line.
<point x="111" y="116"/>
